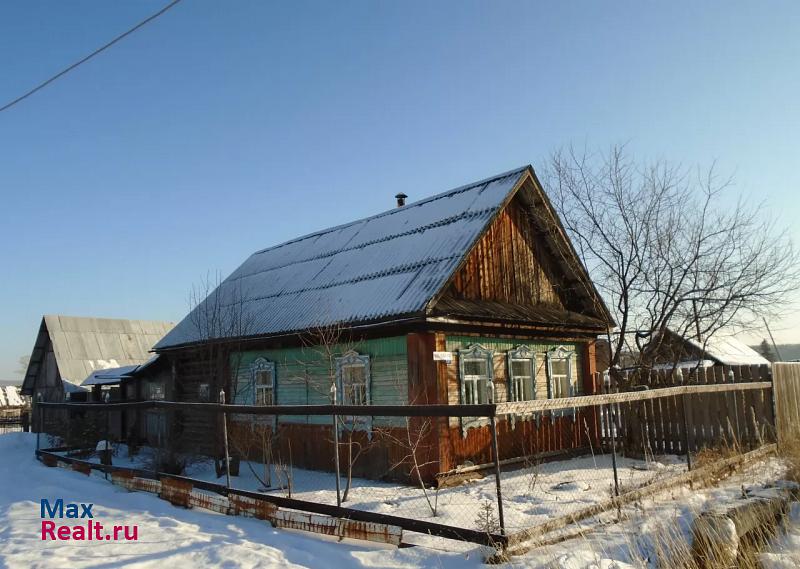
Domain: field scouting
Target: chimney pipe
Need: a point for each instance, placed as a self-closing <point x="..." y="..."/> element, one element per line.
<point x="401" y="199"/>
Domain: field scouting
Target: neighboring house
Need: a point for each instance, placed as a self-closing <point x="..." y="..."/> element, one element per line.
<point x="135" y="382"/>
<point x="14" y="408"/>
<point x="720" y="349"/>
<point x="484" y="272"/>
<point x="10" y="396"/>
<point x="69" y="348"/>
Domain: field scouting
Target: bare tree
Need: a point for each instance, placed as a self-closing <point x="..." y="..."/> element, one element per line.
<point x="328" y="344"/>
<point x="23" y="362"/>
<point x="220" y="323"/>
<point x="667" y="248"/>
<point x="413" y="439"/>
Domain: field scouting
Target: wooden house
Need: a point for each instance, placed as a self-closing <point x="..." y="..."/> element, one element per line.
<point x="425" y="303"/>
<point x="69" y="348"/>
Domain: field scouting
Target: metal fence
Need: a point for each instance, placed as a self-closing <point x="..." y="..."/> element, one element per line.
<point x="541" y="465"/>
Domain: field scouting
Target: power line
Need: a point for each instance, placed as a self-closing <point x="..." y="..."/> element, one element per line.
<point x="88" y="57"/>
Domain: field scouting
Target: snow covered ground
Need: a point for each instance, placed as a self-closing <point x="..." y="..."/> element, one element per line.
<point x="532" y="494"/>
<point x="177" y="537"/>
<point x="167" y="536"/>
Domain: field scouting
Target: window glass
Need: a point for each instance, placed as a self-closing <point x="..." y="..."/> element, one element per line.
<point x="263" y="382"/>
<point x="560" y="377"/>
<point x="354" y="382"/>
<point x="156" y="391"/>
<point x="475" y="367"/>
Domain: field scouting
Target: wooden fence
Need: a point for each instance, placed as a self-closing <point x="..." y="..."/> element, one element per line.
<point x="787" y="401"/>
<point x="675" y="411"/>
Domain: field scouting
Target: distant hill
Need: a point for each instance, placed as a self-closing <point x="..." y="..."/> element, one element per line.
<point x="788" y="351"/>
<point x="7" y="382"/>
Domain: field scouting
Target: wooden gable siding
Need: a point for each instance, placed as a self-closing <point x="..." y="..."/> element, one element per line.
<point x="510" y="264"/>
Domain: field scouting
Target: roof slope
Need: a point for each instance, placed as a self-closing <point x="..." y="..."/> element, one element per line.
<point x="729" y="351"/>
<point x="82" y="345"/>
<point x="383" y="266"/>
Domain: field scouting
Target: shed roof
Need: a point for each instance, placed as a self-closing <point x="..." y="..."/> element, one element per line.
<point x="729" y="350"/>
<point x="381" y="268"/>
<point x="109" y="376"/>
<point x="82" y="345"/>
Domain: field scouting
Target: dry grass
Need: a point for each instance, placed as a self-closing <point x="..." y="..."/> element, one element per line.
<point x="789" y="451"/>
<point x="714" y="541"/>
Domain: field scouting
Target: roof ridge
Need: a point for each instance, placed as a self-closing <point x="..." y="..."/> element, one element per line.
<point x="106" y="318"/>
<point x="394" y="210"/>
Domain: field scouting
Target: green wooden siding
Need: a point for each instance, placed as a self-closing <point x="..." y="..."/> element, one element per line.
<point x="501" y="346"/>
<point x="304" y="375"/>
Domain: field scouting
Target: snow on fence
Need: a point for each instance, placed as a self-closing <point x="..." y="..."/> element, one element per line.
<point x="518" y="466"/>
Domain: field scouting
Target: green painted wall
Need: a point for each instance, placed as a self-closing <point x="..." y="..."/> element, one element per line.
<point x="501" y="346"/>
<point x="304" y="375"/>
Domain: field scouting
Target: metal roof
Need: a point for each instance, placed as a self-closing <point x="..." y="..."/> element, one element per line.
<point x="729" y="351"/>
<point x="83" y="345"/>
<point x="373" y="269"/>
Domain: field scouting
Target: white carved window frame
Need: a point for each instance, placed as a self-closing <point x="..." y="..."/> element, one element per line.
<point x="264" y="391"/>
<point x="518" y="385"/>
<point x="354" y="394"/>
<point x="474" y="387"/>
<point x="555" y="381"/>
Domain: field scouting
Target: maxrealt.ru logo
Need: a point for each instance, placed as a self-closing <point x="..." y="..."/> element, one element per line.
<point x="91" y="530"/>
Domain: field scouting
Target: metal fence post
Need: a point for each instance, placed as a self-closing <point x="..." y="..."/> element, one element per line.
<point x="612" y="430"/>
<point x="496" y="453"/>
<point x="336" y="446"/>
<point x="106" y="399"/>
<point x="40" y="413"/>
<point x="225" y="440"/>
<point x="686" y="437"/>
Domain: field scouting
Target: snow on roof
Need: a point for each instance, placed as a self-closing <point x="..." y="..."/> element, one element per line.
<point x="82" y="345"/>
<point x="727" y="350"/>
<point x="384" y="266"/>
<point x="109" y="376"/>
<point x="10" y="396"/>
<point x="686" y="364"/>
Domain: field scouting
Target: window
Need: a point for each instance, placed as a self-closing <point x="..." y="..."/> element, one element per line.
<point x="522" y="374"/>
<point x="475" y="373"/>
<point x="352" y="371"/>
<point x="353" y="379"/>
<point x="204" y="392"/>
<point x="561" y="376"/>
<point x="263" y="382"/>
<point x="155" y="392"/>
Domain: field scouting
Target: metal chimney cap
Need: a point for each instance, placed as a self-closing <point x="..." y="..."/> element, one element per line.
<point x="401" y="199"/>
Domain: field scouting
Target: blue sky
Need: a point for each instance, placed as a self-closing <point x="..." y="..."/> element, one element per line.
<point x="223" y="128"/>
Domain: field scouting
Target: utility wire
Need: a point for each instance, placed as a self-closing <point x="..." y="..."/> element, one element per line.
<point x="88" y="57"/>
